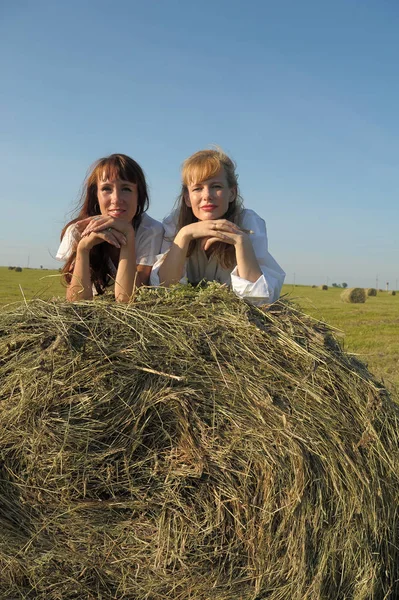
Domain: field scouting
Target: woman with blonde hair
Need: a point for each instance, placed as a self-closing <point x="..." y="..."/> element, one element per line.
<point x="112" y="240"/>
<point x="212" y="237"/>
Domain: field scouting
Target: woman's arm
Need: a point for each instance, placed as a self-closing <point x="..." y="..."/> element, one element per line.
<point x="267" y="288"/>
<point x="247" y="264"/>
<point x="126" y="274"/>
<point x="80" y="287"/>
<point x="172" y="268"/>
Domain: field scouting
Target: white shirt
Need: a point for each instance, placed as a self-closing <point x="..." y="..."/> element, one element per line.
<point x="263" y="291"/>
<point x="148" y="241"/>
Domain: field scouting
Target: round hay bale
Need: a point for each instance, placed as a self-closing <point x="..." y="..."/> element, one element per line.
<point x="323" y="287"/>
<point x="371" y="292"/>
<point x="314" y="286"/>
<point x="392" y="293"/>
<point x="354" y="295"/>
<point x="190" y="446"/>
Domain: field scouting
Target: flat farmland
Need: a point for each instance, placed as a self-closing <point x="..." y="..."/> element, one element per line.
<point x="370" y="330"/>
<point x="29" y="284"/>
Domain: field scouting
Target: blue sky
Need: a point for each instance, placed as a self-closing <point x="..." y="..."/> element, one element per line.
<point x="303" y="95"/>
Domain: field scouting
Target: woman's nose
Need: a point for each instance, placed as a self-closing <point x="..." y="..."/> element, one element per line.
<point x="116" y="195"/>
<point x="206" y="191"/>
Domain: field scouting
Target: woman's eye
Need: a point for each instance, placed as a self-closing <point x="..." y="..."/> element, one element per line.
<point x="127" y="189"/>
<point x="106" y="188"/>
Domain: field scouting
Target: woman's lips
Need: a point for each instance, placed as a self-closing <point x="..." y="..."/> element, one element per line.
<point x="208" y="207"/>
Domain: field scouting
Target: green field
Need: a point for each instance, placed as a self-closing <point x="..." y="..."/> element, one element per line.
<point x="30" y="283"/>
<point x="370" y="330"/>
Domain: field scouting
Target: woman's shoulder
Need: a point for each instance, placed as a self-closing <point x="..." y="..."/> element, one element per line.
<point x="251" y="220"/>
<point x="170" y="223"/>
<point x="148" y="222"/>
<point x="69" y="240"/>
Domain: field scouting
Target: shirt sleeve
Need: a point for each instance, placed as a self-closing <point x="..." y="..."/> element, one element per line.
<point x="68" y="243"/>
<point x="169" y="226"/>
<point x="267" y="288"/>
<point x="148" y="241"/>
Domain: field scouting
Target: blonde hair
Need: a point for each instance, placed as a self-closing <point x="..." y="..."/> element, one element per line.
<point x="199" y="167"/>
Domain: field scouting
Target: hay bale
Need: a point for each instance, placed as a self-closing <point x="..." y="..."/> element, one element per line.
<point x="190" y="446"/>
<point x="371" y="292"/>
<point x="392" y="293"/>
<point x="323" y="287"/>
<point x="354" y="295"/>
<point x="314" y="286"/>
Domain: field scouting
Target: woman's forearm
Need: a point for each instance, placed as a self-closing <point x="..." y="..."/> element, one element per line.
<point x="247" y="264"/>
<point x="172" y="268"/>
<point x="126" y="273"/>
<point x="80" y="287"/>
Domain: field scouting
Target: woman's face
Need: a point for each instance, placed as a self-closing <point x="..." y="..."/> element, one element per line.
<point x="210" y="199"/>
<point x="117" y="198"/>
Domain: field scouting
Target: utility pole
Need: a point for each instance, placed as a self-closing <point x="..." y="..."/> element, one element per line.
<point x="376" y="282"/>
<point x="294" y="279"/>
<point x="387" y="284"/>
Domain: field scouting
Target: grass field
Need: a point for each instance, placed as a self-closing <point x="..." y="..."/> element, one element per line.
<point x="370" y="330"/>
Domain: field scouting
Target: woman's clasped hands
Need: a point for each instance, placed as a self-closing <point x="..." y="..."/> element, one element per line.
<point x="211" y="231"/>
<point x="99" y="229"/>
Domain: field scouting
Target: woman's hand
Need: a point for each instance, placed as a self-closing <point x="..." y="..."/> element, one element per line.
<point x="109" y="235"/>
<point x="220" y="230"/>
<point x="105" y="222"/>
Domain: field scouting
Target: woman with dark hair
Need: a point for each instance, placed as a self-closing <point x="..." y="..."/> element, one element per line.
<point x="112" y="240"/>
<point x="211" y="237"/>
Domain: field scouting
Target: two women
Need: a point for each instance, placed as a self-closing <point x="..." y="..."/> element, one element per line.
<point x="210" y="236"/>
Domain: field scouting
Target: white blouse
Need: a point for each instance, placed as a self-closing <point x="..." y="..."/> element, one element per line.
<point x="148" y="241"/>
<point x="263" y="291"/>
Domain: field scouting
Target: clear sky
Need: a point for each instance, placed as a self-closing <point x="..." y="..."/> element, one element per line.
<point x="303" y="94"/>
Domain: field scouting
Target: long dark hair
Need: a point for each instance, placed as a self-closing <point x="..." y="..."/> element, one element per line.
<point x="118" y="166"/>
<point x="199" y="167"/>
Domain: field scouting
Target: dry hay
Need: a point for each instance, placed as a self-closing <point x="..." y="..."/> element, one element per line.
<point x="190" y="446"/>
<point x="371" y="292"/>
<point x="354" y="295"/>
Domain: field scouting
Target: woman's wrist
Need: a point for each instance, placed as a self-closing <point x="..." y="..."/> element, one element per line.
<point x="183" y="237"/>
<point x="83" y="246"/>
<point x="130" y="235"/>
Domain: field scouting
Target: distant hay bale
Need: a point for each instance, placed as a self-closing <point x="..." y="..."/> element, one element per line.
<point x="354" y="295"/>
<point x="314" y="286"/>
<point x="392" y="293"/>
<point x="371" y="292"/>
<point x="18" y="269"/>
<point x="323" y="287"/>
<point x="190" y="446"/>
